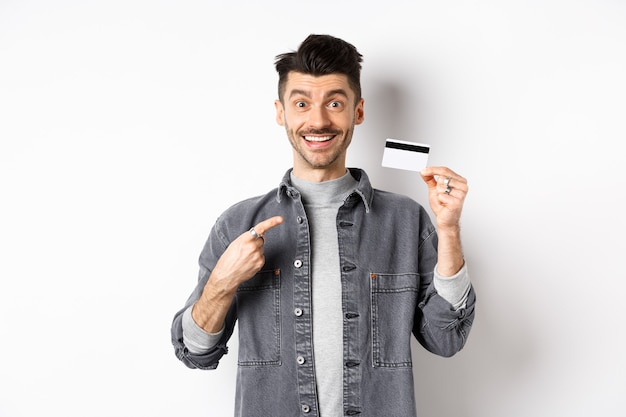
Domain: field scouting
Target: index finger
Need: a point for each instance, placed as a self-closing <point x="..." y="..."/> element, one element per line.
<point x="429" y="174"/>
<point x="268" y="224"/>
<point x="431" y="171"/>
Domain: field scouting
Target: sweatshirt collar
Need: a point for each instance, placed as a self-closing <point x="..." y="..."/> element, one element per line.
<point x="363" y="192"/>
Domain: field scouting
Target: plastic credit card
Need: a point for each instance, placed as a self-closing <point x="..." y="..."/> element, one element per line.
<point x="401" y="154"/>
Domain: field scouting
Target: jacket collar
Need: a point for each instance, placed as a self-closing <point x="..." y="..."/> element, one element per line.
<point x="363" y="191"/>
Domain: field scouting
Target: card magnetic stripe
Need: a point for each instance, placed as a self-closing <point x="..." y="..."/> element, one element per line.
<point x="407" y="147"/>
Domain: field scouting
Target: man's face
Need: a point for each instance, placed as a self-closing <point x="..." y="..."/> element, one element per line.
<point x="319" y="115"/>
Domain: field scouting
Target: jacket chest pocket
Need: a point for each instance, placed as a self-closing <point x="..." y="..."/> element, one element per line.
<point x="394" y="300"/>
<point x="258" y="308"/>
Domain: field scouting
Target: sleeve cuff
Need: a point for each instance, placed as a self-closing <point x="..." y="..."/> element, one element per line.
<point x="196" y="339"/>
<point x="454" y="289"/>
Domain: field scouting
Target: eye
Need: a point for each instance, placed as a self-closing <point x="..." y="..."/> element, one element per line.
<point x="335" y="104"/>
<point x="300" y="104"/>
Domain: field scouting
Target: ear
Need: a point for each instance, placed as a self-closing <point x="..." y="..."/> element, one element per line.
<point x="359" y="114"/>
<point x="280" y="112"/>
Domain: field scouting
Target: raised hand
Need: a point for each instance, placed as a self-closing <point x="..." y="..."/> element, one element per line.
<point x="446" y="193"/>
<point x="240" y="261"/>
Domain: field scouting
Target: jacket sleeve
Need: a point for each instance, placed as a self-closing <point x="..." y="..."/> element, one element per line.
<point x="442" y="330"/>
<point x="210" y="359"/>
<point x="438" y="327"/>
<point x="216" y="245"/>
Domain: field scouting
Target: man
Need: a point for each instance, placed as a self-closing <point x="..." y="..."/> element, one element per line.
<point x="326" y="276"/>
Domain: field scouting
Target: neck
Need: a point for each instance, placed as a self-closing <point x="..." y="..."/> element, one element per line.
<point x="320" y="174"/>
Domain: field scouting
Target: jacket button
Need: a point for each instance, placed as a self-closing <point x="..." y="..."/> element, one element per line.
<point x="297" y="312"/>
<point x="297" y="263"/>
<point x="299" y="219"/>
<point x="305" y="408"/>
<point x="300" y="360"/>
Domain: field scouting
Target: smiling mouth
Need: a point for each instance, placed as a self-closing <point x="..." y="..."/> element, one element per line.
<point x="318" y="138"/>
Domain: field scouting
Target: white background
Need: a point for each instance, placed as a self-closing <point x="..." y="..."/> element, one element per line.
<point x="127" y="126"/>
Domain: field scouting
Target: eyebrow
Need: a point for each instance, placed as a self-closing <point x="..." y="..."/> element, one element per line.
<point x="339" y="91"/>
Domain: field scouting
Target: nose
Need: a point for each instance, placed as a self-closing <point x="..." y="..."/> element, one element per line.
<point x="318" y="117"/>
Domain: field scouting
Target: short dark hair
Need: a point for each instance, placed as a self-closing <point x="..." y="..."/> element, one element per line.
<point x="321" y="55"/>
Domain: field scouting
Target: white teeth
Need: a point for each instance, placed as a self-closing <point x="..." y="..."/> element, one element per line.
<point x="317" y="138"/>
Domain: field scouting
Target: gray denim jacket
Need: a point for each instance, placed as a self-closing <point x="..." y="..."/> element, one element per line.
<point x="387" y="251"/>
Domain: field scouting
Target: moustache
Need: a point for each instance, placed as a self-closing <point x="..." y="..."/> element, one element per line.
<point x="319" y="132"/>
